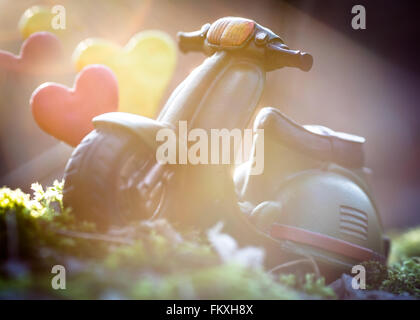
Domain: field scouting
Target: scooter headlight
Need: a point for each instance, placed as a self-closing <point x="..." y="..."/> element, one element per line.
<point x="230" y="32"/>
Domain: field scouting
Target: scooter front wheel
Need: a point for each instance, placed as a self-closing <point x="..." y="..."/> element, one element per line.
<point x="102" y="178"/>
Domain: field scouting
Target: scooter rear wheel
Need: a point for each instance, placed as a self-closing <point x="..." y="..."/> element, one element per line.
<point x="102" y="175"/>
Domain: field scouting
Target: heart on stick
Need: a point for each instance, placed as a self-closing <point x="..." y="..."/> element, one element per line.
<point x="40" y="53"/>
<point x="143" y="67"/>
<point x="36" y="19"/>
<point x="67" y="113"/>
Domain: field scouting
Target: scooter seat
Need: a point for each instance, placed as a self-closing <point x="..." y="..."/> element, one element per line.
<point x="316" y="141"/>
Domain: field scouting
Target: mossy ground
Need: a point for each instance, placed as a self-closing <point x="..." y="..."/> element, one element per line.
<point x="149" y="261"/>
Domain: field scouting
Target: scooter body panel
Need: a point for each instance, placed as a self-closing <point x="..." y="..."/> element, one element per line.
<point x="223" y="84"/>
<point x="328" y="203"/>
<point x="235" y="94"/>
<point x="184" y="101"/>
<point x="299" y="191"/>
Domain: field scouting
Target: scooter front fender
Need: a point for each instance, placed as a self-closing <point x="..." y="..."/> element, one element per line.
<point x="144" y="128"/>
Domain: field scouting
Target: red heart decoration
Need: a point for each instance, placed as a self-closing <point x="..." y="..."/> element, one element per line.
<point x="41" y="52"/>
<point x="67" y="113"/>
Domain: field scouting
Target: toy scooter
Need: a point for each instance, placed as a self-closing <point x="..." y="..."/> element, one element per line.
<point x="113" y="176"/>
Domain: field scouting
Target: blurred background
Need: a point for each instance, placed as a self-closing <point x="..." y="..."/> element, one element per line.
<point x="364" y="82"/>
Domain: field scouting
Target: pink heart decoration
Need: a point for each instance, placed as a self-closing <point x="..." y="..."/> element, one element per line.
<point x="67" y="113"/>
<point x="41" y="52"/>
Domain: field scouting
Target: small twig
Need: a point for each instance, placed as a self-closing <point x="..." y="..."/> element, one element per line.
<point x="94" y="236"/>
<point x="308" y="260"/>
<point x="289" y="264"/>
<point x="315" y="265"/>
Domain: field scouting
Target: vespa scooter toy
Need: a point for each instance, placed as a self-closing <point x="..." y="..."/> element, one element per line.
<point x="113" y="173"/>
<point x="114" y="177"/>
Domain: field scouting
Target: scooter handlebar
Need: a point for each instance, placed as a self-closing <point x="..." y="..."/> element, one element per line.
<point x="192" y="41"/>
<point x="279" y="55"/>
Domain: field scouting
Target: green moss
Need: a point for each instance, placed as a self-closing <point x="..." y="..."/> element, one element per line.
<point x="219" y="282"/>
<point x="398" y="278"/>
<point x="151" y="264"/>
<point x="403" y="273"/>
<point x="310" y="285"/>
<point x="403" y="277"/>
<point x="152" y="267"/>
<point x="376" y="273"/>
<point x="35" y="222"/>
<point x="405" y="245"/>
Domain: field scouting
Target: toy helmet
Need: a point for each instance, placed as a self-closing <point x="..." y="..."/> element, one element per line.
<point x="312" y="196"/>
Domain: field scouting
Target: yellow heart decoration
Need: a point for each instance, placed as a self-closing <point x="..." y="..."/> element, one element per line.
<point x="35" y="19"/>
<point x="143" y="67"/>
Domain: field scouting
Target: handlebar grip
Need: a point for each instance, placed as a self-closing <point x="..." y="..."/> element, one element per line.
<point x="281" y="57"/>
<point x="190" y="41"/>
